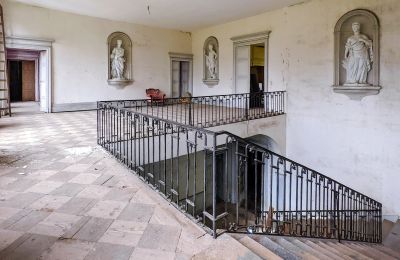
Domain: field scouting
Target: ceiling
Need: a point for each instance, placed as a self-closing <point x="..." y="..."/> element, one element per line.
<point x="185" y="15"/>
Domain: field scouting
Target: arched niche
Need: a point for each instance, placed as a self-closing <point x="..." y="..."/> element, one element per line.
<point x="211" y="61"/>
<point x="126" y="44"/>
<point x="369" y="26"/>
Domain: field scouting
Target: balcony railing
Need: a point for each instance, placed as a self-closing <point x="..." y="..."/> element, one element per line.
<point x="209" y="111"/>
<point x="226" y="183"/>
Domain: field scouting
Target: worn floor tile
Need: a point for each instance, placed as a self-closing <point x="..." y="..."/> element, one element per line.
<point x="22" y="184"/>
<point x="105" y="251"/>
<point x="94" y="192"/>
<point x="85" y="178"/>
<point x="77" y="206"/>
<point x="93" y="230"/>
<point x="41" y="174"/>
<point x="30" y="248"/>
<point x="120" y="194"/>
<point x="45" y="187"/>
<point x="7" y="237"/>
<point x="107" y="209"/>
<point x="49" y="202"/>
<point x="151" y="254"/>
<point x="68" y="249"/>
<point x="124" y="233"/>
<point x="63" y="176"/>
<point x="6" y="213"/>
<point x="160" y="237"/>
<point x="78" y="167"/>
<point x="4" y="181"/>
<point x="137" y="212"/>
<point x="7" y="194"/>
<point x="21" y="200"/>
<point x="68" y="189"/>
<point x="56" y="224"/>
<point x="29" y="221"/>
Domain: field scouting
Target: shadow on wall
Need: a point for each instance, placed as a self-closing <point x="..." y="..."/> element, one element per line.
<point x="265" y="142"/>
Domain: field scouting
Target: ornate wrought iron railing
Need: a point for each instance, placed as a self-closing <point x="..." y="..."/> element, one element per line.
<point x="226" y="183"/>
<point x="208" y="111"/>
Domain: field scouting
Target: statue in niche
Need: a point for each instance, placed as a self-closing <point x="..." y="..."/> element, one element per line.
<point x="118" y="61"/>
<point x="211" y="61"/>
<point x="358" y="58"/>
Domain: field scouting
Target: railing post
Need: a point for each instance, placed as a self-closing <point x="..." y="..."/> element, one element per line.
<point x="214" y="185"/>
<point x="247" y="103"/>
<point x="336" y="201"/>
<point x="190" y="113"/>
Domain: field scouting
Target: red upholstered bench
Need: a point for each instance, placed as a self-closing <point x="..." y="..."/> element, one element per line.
<point x="155" y="96"/>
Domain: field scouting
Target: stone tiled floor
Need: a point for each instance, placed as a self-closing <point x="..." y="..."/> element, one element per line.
<point x="63" y="197"/>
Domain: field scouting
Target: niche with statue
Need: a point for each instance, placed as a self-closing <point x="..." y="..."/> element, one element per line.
<point x="357" y="54"/>
<point x="211" y="61"/>
<point x="119" y="59"/>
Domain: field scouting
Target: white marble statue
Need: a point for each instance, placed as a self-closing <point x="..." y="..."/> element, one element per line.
<point x="211" y="61"/>
<point x="118" y="61"/>
<point x="358" y="58"/>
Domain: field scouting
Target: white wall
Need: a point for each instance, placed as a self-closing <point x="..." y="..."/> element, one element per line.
<point x="80" y="52"/>
<point x="355" y="142"/>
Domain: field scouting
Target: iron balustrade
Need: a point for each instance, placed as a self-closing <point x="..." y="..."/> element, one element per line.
<point x="209" y="111"/>
<point x="226" y="183"/>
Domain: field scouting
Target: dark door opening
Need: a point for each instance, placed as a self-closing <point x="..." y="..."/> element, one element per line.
<point x="22" y="80"/>
<point x="257" y="63"/>
<point x="15" y="70"/>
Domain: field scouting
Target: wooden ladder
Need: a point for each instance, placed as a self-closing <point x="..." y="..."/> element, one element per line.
<point x="5" y="105"/>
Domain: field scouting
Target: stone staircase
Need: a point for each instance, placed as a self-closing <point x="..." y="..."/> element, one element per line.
<point x="293" y="248"/>
<point x="246" y="246"/>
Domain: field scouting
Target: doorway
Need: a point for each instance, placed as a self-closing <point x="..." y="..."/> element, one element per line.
<point x="251" y="63"/>
<point x="22" y="78"/>
<point x="180" y="78"/>
<point x="38" y="51"/>
<point x="181" y="74"/>
<point x="23" y="75"/>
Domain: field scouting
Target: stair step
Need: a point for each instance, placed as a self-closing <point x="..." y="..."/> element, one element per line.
<point x="334" y="251"/>
<point x="369" y="251"/>
<point x="258" y="249"/>
<point x="388" y="251"/>
<point x="323" y="250"/>
<point x="275" y="248"/>
<point x="226" y="247"/>
<point x="387" y="226"/>
<point x="293" y="248"/>
<point x="393" y="238"/>
<point x="348" y="251"/>
<point x="320" y="254"/>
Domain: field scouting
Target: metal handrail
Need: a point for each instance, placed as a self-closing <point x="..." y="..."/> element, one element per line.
<point x="223" y="181"/>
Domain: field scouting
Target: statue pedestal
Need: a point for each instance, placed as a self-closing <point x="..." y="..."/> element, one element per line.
<point x="211" y="82"/>
<point x="119" y="82"/>
<point x="357" y="91"/>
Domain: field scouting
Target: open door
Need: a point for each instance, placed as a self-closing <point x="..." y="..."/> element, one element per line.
<point x="43" y="82"/>
<point x="242" y="69"/>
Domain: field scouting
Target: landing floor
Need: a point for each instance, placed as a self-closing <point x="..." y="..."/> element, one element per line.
<point x="62" y="197"/>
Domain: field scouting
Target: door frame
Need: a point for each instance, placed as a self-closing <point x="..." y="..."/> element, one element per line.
<point x="174" y="56"/>
<point x="45" y="48"/>
<point x="248" y="40"/>
<point x="27" y="55"/>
